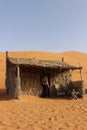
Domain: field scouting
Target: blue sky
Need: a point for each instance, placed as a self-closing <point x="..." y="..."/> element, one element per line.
<point x="43" y="25"/>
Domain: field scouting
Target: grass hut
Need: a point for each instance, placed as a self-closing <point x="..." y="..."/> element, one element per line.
<point x="23" y="76"/>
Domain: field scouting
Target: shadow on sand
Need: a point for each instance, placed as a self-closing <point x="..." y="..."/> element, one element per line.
<point x="4" y="96"/>
<point x="85" y="91"/>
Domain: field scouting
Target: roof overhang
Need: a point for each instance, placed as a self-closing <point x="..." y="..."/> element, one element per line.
<point x="53" y="64"/>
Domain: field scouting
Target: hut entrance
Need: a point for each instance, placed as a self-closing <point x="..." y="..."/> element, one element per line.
<point x="45" y="85"/>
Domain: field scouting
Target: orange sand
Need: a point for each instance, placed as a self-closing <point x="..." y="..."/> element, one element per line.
<point x="34" y="113"/>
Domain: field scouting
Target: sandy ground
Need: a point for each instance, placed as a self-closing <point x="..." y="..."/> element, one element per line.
<point x="34" y="113"/>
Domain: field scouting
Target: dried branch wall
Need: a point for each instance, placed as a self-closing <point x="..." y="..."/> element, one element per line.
<point x="59" y="81"/>
<point x="30" y="80"/>
<point x="10" y="79"/>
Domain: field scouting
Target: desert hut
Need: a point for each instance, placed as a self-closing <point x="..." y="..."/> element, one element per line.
<point x="23" y="76"/>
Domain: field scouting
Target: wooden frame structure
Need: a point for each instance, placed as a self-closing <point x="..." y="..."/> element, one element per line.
<point x="23" y="75"/>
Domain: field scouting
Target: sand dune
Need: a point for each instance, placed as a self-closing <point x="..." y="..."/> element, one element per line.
<point x="34" y="113"/>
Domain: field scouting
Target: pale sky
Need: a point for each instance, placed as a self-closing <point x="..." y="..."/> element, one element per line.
<point x="43" y="25"/>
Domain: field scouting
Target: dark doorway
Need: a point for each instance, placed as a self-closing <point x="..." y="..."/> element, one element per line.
<point x="45" y="85"/>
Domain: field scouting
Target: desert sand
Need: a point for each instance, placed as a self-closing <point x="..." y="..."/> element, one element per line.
<point x="34" y="113"/>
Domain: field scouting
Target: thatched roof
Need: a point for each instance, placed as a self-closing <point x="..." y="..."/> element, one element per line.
<point x="54" y="64"/>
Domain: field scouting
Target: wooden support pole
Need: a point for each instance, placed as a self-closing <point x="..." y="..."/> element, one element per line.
<point x="6" y="60"/>
<point x="7" y="81"/>
<point x="6" y="54"/>
<point x="18" y="89"/>
<point x="18" y="72"/>
<point x="62" y="59"/>
<point x="81" y="71"/>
